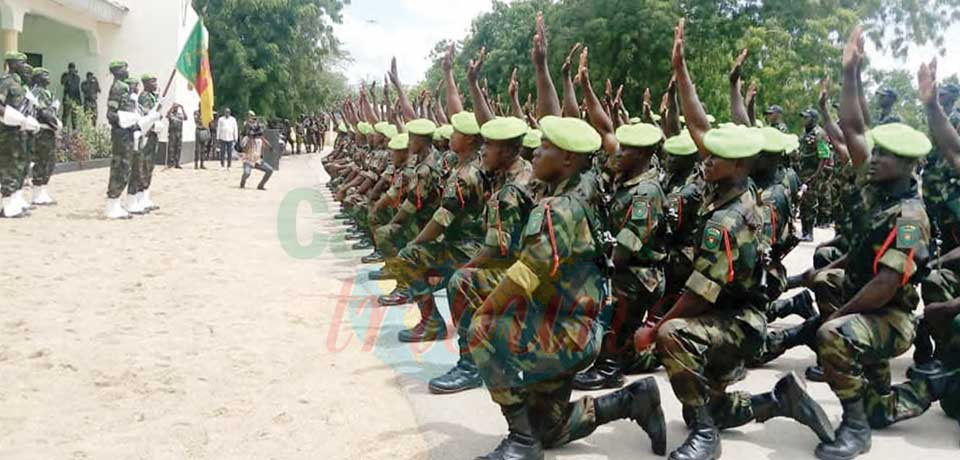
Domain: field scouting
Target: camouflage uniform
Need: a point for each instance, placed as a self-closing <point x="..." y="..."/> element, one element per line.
<point x="121" y="139"/>
<point x="148" y="151"/>
<point x="637" y="219"/>
<point x="684" y="196"/>
<point x="855" y="350"/>
<point x="537" y="337"/>
<point x="504" y="215"/>
<point x="813" y="152"/>
<point x="44" y="141"/>
<point x="175" y="143"/>
<point x="704" y="355"/>
<point x="11" y="139"/>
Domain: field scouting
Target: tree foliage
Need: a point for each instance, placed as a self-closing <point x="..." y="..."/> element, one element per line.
<point x="793" y="43"/>
<point x="275" y="57"/>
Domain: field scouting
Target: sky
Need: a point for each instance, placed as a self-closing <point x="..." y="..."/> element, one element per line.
<point x="375" y="30"/>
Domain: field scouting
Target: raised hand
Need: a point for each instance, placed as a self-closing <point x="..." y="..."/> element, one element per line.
<point x="927" y="81"/>
<point x="736" y="71"/>
<point x="853" y="51"/>
<point x="394" y="74"/>
<point x="751" y="91"/>
<point x="824" y="100"/>
<point x="476" y="65"/>
<point x="568" y="61"/>
<point x="583" y="72"/>
<point x="678" y="57"/>
<point x="539" y="50"/>
<point x="448" y="58"/>
<point x="514" y="86"/>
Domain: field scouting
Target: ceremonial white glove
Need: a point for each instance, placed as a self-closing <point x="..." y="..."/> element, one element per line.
<point x="13" y="117"/>
<point x="30" y="125"/>
<point x="32" y="98"/>
<point x="56" y="105"/>
<point x="126" y="120"/>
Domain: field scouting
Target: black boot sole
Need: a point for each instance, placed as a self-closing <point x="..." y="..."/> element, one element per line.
<point x="605" y="384"/>
<point x="449" y="391"/>
<point x="432" y="336"/>
<point x="810" y="413"/>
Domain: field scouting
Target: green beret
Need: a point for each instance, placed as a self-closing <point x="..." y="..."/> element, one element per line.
<point x="131" y="81"/>
<point x="759" y="123"/>
<point x="342" y="127"/>
<point x="421" y="127"/>
<point x="680" y="145"/>
<point x="117" y="64"/>
<point x="15" y="56"/>
<point x="733" y="143"/>
<point x="147" y="77"/>
<point x="444" y="132"/>
<point x="901" y="140"/>
<point x="711" y="119"/>
<point x="774" y="142"/>
<point x="364" y="128"/>
<point x="385" y="128"/>
<point x="504" y="128"/>
<point x="635" y="120"/>
<point x="655" y="117"/>
<point x="570" y="134"/>
<point x="727" y="124"/>
<point x="39" y="71"/>
<point x="251" y="113"/>
<point x="533" y="139"/>
<point x="465" y="123"/>
<point x="399" y="142"/>
<point x="683" y="120"/>
<point x="639" y="135"/>
<point x="792" y="142"/>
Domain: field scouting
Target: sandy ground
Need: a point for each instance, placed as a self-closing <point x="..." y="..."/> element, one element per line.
<point x="236" y="324"/>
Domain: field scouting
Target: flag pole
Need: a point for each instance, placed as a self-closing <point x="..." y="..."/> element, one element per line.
<point x="166" y="159"/>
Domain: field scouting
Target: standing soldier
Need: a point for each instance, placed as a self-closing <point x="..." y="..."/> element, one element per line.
<point x="70" y="80"/>
<point x="91" y="91"/>
<point x="202" y="141"/>
<point x="886" y="98"/>
<point x="176" y="117"/>
<point x="45" y="141"/>
<point x="323" y="127"/>
<point x="814" y="158"/>
<point x="13" y="97"/>
<point x="774" y="115"/>
<point x="301" y="132"/>
<point x="121" y="107"/>
<point x="148" y="155"/>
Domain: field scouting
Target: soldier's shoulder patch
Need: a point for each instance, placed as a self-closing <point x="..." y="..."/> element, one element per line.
<point x="712" y="236"/>
<point x="909" y="233"/>
<point x="641" y="208"/>
<point x="535" y="221"/>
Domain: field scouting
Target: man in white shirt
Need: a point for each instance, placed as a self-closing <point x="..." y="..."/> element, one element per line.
<point x="227" y="135"/>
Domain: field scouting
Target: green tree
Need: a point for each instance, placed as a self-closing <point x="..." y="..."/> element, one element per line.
<point x="275" y="57"/>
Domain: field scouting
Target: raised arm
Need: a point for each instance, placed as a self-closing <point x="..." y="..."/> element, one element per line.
<point x="944" y="135"/>
<point x="864" y="106"/>
<point x="374" y="105"/>
<point x="408" y="111"/>
<point x="366" y="109"/>
<point x="454" y="104"/>
<point x="481" y="109"/>
<point x="570" y="107"/>
<point x="851" y="112"/>
<point x="595" y="113"/>
<point x="670" y="113"/>
<point x="752" y="103"/>
<point x="516" y="110"/>
<point x="696" y="117"/>
<point x="738" y="109"/>
<point x="829" y="124"/>
<point x="547" y="101"/>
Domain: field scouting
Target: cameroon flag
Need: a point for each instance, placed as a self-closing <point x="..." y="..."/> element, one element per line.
<point x="194" y="65"/>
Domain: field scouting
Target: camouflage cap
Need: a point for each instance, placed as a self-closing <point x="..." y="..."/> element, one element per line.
<point x="444" y="132"/>
<point x="901" y="140"/>
<point x="639" y="135"/>
<point x="147" y="77"/>
<point x="421" y="127"/>
<point x="887" y="92"/>
<point x="117" y="64"/>
<point x="14" y="56"/>
<point x="399" y="142"/>
<point x="40" y="70"/>
<point x="465" y="123"/>
<point x="733" y="143"/>
<point x="570" y="134"/>
<point x="773" y="109"/>
<point x="533" y="139"/>
<point x="680" y="145"/>
<point x="504" y="128"/>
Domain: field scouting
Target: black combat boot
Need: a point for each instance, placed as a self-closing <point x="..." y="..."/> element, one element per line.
<point x="800" y="305"/>
<point x="853" y="437"/>
<point x="640" y="402"/>
<point x="789" y="399"/>
<point x="940" y="383"/>
<point x="380" y="275"/>
<point x="703" y="443"/>
<point x="341" y="215"/>
<point x="807" y="232"/>
<point x="364" y="243"/>
<point x="431" y="327"/>
<point x="374" y="257"/>
<point x="520" y="443"/>
<point x="795" y="281"/>
<point x="923" y="356"/>
<point x="606" y="372"/>
<point x="779" y="341"/>
<point x="462" y="377"/>
<point x="815" y="374"/>
<point x="399" y="296"/>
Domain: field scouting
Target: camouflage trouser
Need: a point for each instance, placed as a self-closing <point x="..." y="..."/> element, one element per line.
<point x="706" y="354"/>
<point x="951" y="360"/>
<point x="122" y="157"/>
<point x="940" y="285"/>
<point x="44" y="151"/>
<point x="633" y="302"/>
<point x="148" y="160"/>
<point x="815" y="203"/>
<point x="855" y="352"/>
<point x="418" y="262"/>
<point x="136" y="171"/>
<point x="466" y="291"/>
<point x="174" y="148"/>
<point x="389" y="239"/>
<point x="828" y="287"/>
<point x="23" y="161"/>
<point x="11" y="149"/>
<point x="825" y="255"/>
<point x="509" y="343"/>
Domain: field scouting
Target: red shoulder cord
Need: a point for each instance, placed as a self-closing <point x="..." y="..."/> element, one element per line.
<point x="626" y="217"/>
<point x="553" y="241"/>
<point x="773" y="224"/>
<point x="463" y="204"/>
<point x="883" y="249"/>
<point x="649" y="219"/>
<point x="419" y="200"/>
<point x="726" y="242"/>
<point x="679" y="212"/>
<point x="503" y="247"/>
